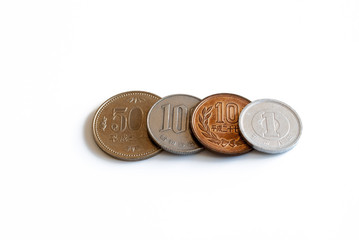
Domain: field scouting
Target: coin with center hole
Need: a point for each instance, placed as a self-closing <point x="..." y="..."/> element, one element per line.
<point x="270" y="126"/>
<point x="168" y="124"/>
<point x="215" y="123"/>
<point x="120" y="129"/>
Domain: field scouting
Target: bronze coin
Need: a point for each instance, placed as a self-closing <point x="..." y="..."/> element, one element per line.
<point x="215" y="123"/>
<point x="120" y="129"/>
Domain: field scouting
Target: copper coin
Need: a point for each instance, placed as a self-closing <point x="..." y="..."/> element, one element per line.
<point x="120" y="129"/>
<point x="215" y="123"/>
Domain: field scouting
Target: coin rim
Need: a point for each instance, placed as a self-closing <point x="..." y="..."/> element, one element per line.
<point x="205" y="145"/>
<point x="263" y="149"/>
<point x="190" y="129"/>
<point x="104" y="147"/>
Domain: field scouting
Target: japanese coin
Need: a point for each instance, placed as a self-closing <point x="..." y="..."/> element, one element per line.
<point x="168" y="124"/>
<point x="120" y="129"/>
<point x="270" y="126"/>
<point x="215" y="123"/>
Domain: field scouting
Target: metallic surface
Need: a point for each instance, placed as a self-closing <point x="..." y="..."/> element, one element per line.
<point x="120" y="129"/>
<point x="168" y="124"/>
<point x="270" y="126"/>
<point x="215" y="123"/>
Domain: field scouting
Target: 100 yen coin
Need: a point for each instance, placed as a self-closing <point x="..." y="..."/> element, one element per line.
<point x="168" y="124"/>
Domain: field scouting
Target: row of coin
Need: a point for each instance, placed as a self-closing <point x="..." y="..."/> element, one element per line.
<point x="137" y="125"/>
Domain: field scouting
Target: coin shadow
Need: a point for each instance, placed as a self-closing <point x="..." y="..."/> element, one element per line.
<point x="209" y="156"/>
<point x="91" y="144"/>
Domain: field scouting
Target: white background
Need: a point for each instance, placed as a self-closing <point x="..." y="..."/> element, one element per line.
<point x="59" y="60"/>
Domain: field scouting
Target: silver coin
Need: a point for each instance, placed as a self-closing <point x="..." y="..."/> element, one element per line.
<point x="270" y="126"/>
<point x="168" y="124"/>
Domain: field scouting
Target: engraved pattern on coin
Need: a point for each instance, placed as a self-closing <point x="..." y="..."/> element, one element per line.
<point x="126" y="138"/>
<point x="136" y="99"/>
<point x="104" y="123"/>
<point x="270" y="126"/>
<point x="215" y="123"/>
<point x="211" y="136"/>
<point x="168" y="124"/>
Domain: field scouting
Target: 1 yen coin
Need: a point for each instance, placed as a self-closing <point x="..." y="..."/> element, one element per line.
<point x="270" y="126"/>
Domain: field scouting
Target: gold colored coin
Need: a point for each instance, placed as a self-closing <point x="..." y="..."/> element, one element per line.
<point x="120" y="129"/>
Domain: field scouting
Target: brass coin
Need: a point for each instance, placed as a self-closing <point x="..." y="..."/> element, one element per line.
<point x="215" y="123"/>
<point x="120" y="129"/>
